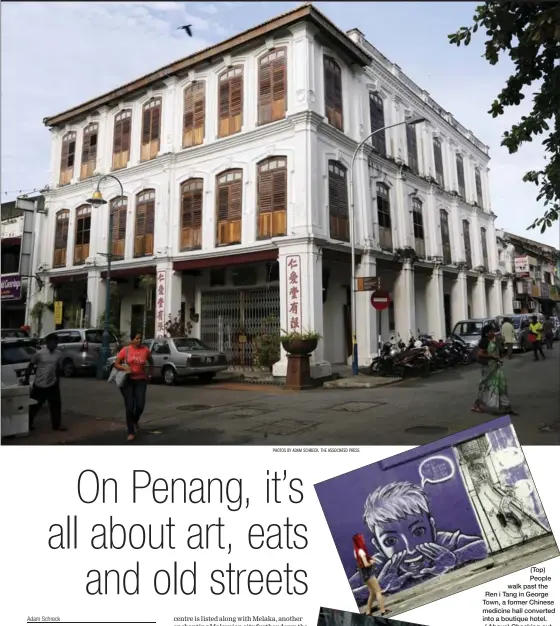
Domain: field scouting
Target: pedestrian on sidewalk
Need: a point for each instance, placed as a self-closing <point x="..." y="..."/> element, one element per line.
<point x="366" y="566"/>
<point x="492" y="396"/>
<point x="134" y="360"/>
<point x="536" y="330"/>
<point x="548" y="330"/>
<point x="47" y="365"/>
<point x="508" y="333"/>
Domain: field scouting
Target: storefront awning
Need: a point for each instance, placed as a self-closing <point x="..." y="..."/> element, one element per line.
<point x="130" y="272"/>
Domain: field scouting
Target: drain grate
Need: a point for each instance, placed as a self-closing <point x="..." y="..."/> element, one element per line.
<point x="356" y="407"/>
<point x="283" y="427"/>
<point x="427" y="430"/>
<point x="244" y="413"/>
<point x="193" y="407"/>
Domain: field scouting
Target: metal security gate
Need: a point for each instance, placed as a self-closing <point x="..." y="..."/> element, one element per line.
<point x="231" y="320"/>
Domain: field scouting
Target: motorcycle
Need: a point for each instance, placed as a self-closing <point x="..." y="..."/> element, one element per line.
<point x="399" y="360"/>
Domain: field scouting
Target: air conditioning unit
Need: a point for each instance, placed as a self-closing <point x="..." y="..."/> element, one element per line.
<point x="532" y="306"/>
<point x="517" y="304"/>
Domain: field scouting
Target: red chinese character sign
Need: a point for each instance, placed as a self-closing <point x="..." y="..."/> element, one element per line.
<point x="160" y="304"/>
<point x="293" y="293"/>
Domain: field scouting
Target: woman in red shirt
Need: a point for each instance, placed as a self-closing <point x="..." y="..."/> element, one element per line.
<point x="366" y="567"/>
<point x="133" y="359"/>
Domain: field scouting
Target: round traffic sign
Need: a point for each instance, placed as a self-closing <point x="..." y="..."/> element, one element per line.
<point x="380" y="300"/>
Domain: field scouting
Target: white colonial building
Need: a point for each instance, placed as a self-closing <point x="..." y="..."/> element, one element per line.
<point x="235" y="167"/>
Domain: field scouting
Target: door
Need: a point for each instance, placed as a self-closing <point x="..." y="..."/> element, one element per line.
<point x="161" y="354"/>
<point x="447" y="313"/>
<point x="137" y="319"/>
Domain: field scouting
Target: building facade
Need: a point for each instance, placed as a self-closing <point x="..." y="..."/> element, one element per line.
<point x="235" y="167"/>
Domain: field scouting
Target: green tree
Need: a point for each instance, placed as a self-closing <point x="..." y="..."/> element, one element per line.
<point x="529" y="33"/>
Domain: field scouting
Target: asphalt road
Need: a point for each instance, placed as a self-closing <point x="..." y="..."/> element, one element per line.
<point x="245" y="414"/>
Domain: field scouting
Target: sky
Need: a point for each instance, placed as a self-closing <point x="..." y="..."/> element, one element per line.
<point x="56" y="55"/>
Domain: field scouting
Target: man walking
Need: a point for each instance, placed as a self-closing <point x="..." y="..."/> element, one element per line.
<point x="46" y="387"/>
<point x="508" y="333"/>
<point x="536" y="329"/>
<point x="548" y="330"/>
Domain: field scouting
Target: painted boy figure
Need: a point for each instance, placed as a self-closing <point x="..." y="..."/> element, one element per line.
<point x="410" y="549"/>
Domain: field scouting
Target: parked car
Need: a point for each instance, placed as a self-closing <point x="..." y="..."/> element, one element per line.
<point x="16" y="355"/>
<point x="19" y="333"/>
<point x="178" y="358"/>
<point x="80" y="348"/>
<point x="470" y="331"/>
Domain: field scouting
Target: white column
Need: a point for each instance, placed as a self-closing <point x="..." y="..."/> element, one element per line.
<point x="509" y="297"/>
<point x="396" y="135"/>
<point x="404" y="303"/>
<point x="428" y="166"/>
<point x="459" y="299"/>
<point x="434" y="302"/>
<point x="492" y="247"/>
<point x="479" y="297"/>
<point x="135" y="132"/>
<point x="171" y="137"/>
<point x="400" y="216"/>
<point x="168" y="295"/>
<point x="431" y="227"/>
<point x="307" y="186"/>
<point x="496" y="305"/>
<point x="364" y="220"/>
<point x="103" y="161"/>
<point x="95" y="295"/>
<point x="366" y="316"/>
<point x="476" y="245"/>
<point x="301" y="300"/>
<point x="305" y="91"/>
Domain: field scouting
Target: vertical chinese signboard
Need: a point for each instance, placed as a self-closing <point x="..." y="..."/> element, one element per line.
<point x="293" y="287"/>
<point x="160" y="305"/>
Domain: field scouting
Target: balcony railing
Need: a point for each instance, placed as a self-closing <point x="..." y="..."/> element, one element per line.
<point x="272" y="224"/>
<point x="339" y="228"/>
<point x="420" y="248"/>
<point x="447" y="254"/>
<point x="385" y="238"/>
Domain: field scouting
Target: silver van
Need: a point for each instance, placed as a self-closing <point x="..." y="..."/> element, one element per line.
<point x="81" y="347"/>
<point x="470" y="331"/>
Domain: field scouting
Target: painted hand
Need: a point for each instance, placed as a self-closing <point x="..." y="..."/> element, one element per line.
<point x="443" y="559"/>
<point x="390" y="579"/>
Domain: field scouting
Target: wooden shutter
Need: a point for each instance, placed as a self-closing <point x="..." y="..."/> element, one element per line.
<point x="151" y="129"/>
<point x="144" y="223"/>
<point x="412" y="148"/>
<point x="231" y="102"/>
<point x="89" y="151"/>
<point x="119" y="207"/>
<point x="192" y="193"/>
<point x="377" y="121"/>
<point x="338" y="202"/>
<point x="467" y="243"/>
<point x="460" y="175"/>
<point x="121" y="139"/>
<point x="194" y="114"/>
<point x="445" y="240"/>
<point x="478" y="184"/>
<point x="272" y="86"/>
<point x="67" y="158"/>
<point x="61" y="238"/>
<point x="83" y="233"/>
<point x="272" y="191"/>
<point x="438" y="161"/>
<point x="333" y="92"/>
<point x="229" y="207"/>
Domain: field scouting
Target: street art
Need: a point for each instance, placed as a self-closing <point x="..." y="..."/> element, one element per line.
<point x="436" y="508"/>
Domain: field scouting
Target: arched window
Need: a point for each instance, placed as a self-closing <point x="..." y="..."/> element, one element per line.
<point x="384" y="217"/>
<point x="230" y="114"/>
<point x="272" y="86"/>
<point x="478" y="184"/>
<point x="67" y="158"/>
<point x="194" y="114"/>
<point x="61" y="237"/>
<point x="83" y="234"/>
<point x="467" y="243"/>
<point x="460" y="175"/>
<point x="438" y="162"/>
<point x="121" y="139"/>
<point x="484" y="243"/>
<point x="192" y="194"/>
<point x="377" y="121"/>
<point x="229" y="206"/>
<point x="418" y="226"/>
<point x="272" y="200"/>
<point x="119" y="207"/>
<point x="333" y="92"/>
<point x="338" y="202"/>
<point x="144" y="223"/>
<point x="412" y="148"/>
<point x="445" y="236"/>
<point x="151" y="129"/>
<point x="89" y="150"/>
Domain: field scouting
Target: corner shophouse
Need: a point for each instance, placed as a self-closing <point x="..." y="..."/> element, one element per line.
<point x="234" y="163"/>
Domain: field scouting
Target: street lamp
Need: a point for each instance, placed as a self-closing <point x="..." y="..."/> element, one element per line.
<point x="412" y="121"/>
<point x="97" y="200"/>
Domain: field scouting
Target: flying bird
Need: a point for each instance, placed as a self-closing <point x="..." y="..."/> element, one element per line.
<point x="187" y="29"/>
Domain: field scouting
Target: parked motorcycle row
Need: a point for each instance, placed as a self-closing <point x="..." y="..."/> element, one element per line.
<point x="420" y="356"/>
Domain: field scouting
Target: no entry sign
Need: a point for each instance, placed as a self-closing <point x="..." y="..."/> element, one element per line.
<point x="380" y="300"/>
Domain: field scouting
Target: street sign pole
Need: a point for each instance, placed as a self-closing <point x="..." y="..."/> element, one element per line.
<point x="380" y="300"/>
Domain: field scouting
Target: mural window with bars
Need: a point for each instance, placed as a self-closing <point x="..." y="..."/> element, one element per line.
<point x="460" y="175"/>
<point x="384" y="217"/>
<point x="230" y="114"/>
<point x="67" y="158"/>
<point x="229" y="205"/>
<point x="484" y="243"/>
<point x="192" y="194"/>
<point x="438" y="162"/>
<point x="151" y="129"/>
<point x="412" y="148"/>
<point x="61" y="237"/>
<point x="377" y="121"/>
<point x="89" y="150"/>
<point x="338" y="202"/>
<point x="478" y="185"/>
<point x="83" y="234"/>
<point x="272" y="86"/>
<point x="121" y="139"/>
<point x="418" y="227"/>
<point x="194" y="114"/>
<point x="272" y="190"/>
<point x="119" y="208"/>
<point x="333" y="92"/>
<point x="445" y="236"/>
<point x="144" y="226"/>
<point x="467" y="243"/>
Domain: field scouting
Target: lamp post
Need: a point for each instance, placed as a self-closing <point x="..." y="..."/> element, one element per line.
<point x="409" y="122"/>
<point x="97" y="200"/>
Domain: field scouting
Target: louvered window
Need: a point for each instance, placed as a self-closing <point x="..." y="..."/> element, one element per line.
<point x="272" y="86"/>
<point x="151" y="129"/>
<point x="438" y="162"/>
<point x="230" y="114"/>
<point x="484" y="248"/>
<point x="460" y="176"/>
<point x="338" y="202"/>
<point x="384" y="217"/>
<point x="418" y="226"/>
<point x="89" y="150"/>
<point x="377" y="121"/>
<point x="194" y="114"/>
<point x="67" y="158"/>
<point x="61" y="238"/>
<point x="144" y="226"/>
<point x="119" y="207"/>
<point x="478" y="184"/>
<point x="83" y="233"/>
<point x="467" y="243"/>
<point x="272" y="189"/>
<point x="445" y="237"/>
<point x="333" y="92"/>
<point x="192" y="194"/>
<point x="229" y="207"/>
<point x="412" y="148"/>
<point x="121" y="139"/>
